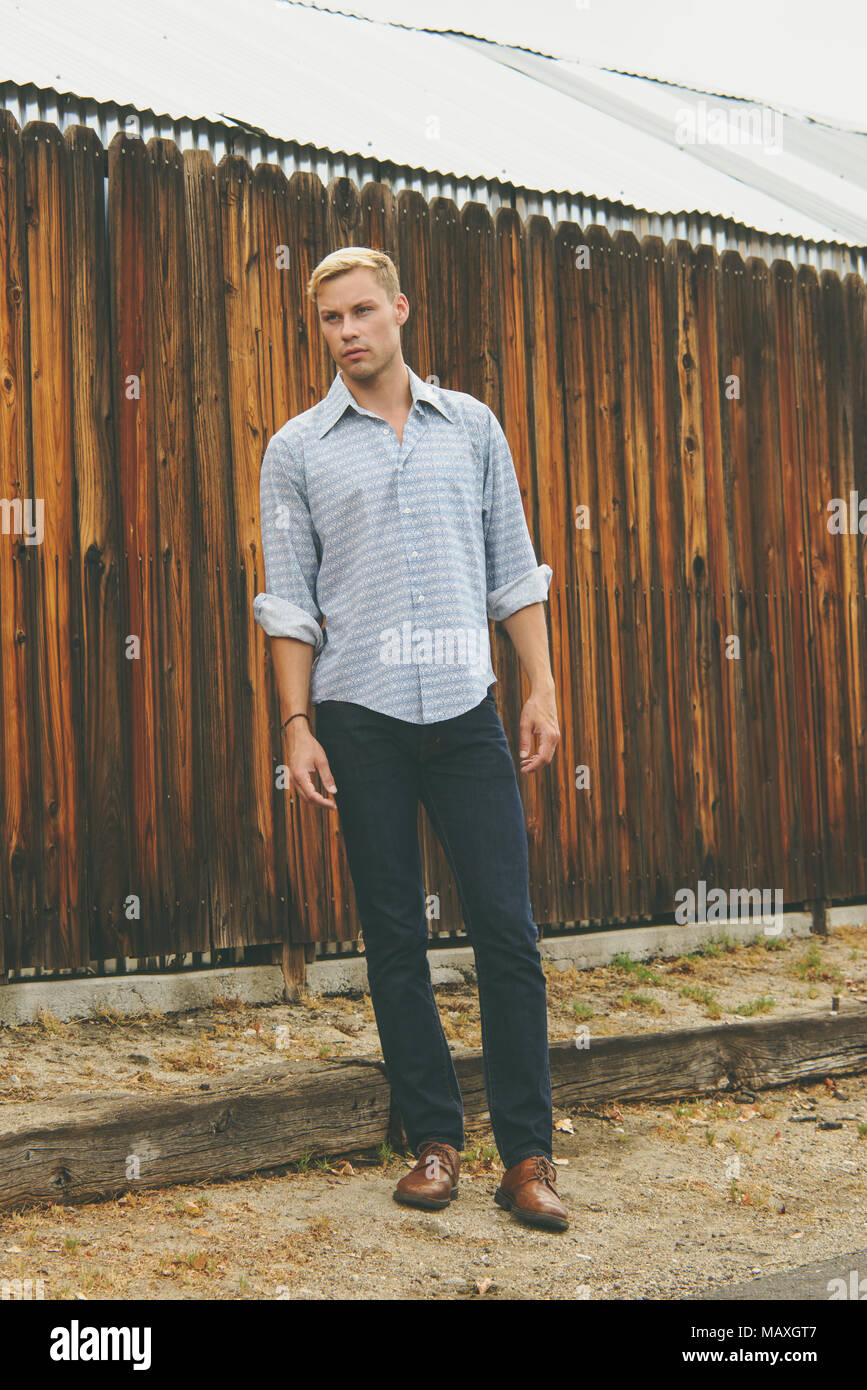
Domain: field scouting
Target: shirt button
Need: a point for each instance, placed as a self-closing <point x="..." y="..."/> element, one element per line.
<point x="415" y="554"/>
<point x="421" y="598"/>
<point x="408" y="510"/>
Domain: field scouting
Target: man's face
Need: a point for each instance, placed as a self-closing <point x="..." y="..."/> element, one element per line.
<point x="361" y="327"/>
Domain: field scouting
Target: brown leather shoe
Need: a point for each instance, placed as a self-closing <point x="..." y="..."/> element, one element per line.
<point x="433" y="1181"/>
<point x="528" y="1190"/>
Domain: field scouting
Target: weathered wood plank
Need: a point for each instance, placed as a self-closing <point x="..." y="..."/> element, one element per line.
<point x="616" y="592"/>
<point x="582" y="743"/>
<point x="248" y="206"/>
<point x="855" y="360"/>
<point x="699" y="1061"/>
<point x="87" y="1149"/>
<point x="817" y="391"/>
<point x="413" y="267"/>
<point x="846" y="822"/>
<point x="821" y="562"/>
<point x="62" y="928"/>
<point x="552" y="817"/>
<point x="606" y="521"/>
<point x="696" y="637"/>
<point x="96" y="388"/>
<point x="130" y="237"/>
<point x="722" y="416"/>
<point x="20" y="892"/>
<point x="770" y="753"/>
<point x="670" y="694"/>
<point x="748" y="505"/>
<point x="180" y="610"/>
<point x="802" y="871"/>
<point x="84" y="1148"/>
<point x="634" y="540"/>
<point x="220" y="624"/>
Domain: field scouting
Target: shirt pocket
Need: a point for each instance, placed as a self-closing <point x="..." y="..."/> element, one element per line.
<point x="459" y="491"/>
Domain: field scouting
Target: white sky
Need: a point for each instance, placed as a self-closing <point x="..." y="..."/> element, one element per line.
<point x="799" y="54"/>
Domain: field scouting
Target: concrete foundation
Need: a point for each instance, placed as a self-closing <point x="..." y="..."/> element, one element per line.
<point x="131" y="995"/>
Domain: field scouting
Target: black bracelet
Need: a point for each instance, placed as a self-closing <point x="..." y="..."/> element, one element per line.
<point x="300" y="715"/>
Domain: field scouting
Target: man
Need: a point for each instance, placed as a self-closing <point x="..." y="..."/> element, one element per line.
<point x="391" y="510"/>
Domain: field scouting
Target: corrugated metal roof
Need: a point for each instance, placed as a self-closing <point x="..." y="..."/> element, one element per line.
<point x="771" y="51"/>
<point x="442" y="113"/>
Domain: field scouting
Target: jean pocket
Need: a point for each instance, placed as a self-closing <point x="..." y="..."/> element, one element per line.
<point x="336" y="717"/>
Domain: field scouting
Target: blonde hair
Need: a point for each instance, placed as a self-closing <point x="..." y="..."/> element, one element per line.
<point x="350" y="257"/>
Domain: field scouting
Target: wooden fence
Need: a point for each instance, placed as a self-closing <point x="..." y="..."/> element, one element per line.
<point x="704" y="410"/>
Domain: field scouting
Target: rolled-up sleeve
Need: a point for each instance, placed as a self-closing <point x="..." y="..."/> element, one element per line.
<point x="290" y="550"/>
<point x="514" y="579"/>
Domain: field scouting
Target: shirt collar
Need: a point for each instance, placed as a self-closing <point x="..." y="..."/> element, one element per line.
<point x="339" y="397"/>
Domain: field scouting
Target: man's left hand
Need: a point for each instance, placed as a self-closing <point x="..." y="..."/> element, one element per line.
<point x="538" y="718"/>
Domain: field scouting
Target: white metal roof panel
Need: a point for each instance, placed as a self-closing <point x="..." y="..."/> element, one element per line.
<point x="431" y="101"/>
<point x="781" y="51"/>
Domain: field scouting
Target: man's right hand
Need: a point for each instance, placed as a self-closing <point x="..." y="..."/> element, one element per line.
<point x="306" y="757"/>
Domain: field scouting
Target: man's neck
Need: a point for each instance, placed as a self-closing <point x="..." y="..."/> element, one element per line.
<point x="389" y="395"/>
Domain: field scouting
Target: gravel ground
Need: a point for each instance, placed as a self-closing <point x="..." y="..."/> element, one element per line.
<point x="666" y="1201"/>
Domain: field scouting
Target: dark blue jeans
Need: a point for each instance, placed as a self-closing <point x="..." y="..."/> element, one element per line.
<point x="462" y="771"/>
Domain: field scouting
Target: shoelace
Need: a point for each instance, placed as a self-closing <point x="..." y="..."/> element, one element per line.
<point x="441" y="1151"/>
<point x="545" y="1170"/>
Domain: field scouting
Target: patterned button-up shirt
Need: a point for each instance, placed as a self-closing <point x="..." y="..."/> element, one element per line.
<point x="404" y="549"/>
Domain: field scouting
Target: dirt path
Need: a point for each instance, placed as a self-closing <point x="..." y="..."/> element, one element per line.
<point x="666" y="1201"/>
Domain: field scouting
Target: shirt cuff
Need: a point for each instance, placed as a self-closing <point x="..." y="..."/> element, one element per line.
<point x="279" y="618"/>
<point x="531" y="587"/>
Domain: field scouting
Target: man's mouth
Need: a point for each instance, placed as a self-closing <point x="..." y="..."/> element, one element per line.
<point x="355" y="352"/>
